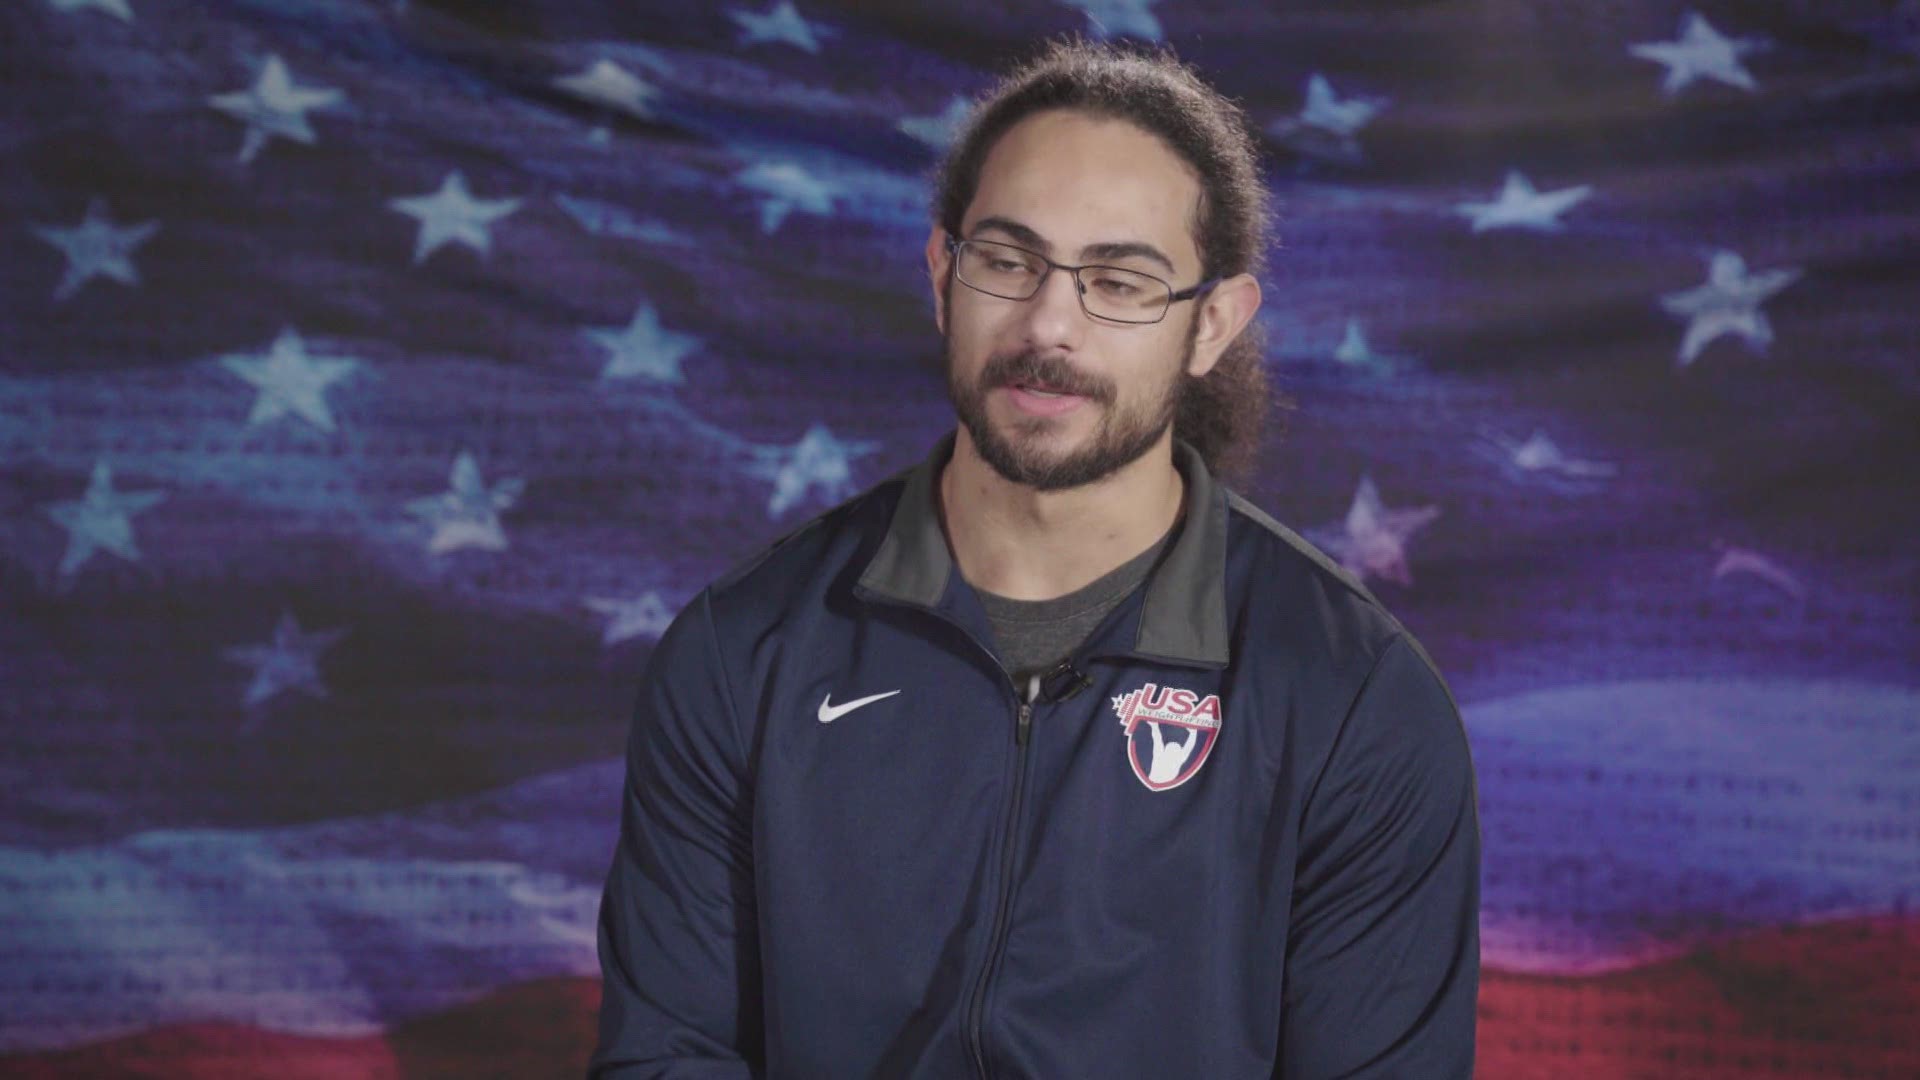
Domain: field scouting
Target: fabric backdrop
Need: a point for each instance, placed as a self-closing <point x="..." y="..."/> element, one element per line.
<point x="379" y="377"/>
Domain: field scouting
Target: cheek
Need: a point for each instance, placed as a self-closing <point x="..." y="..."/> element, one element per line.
<point x="966" y="352"/>
<point x="970" y="334"/>
<point x="1151" y="361"/>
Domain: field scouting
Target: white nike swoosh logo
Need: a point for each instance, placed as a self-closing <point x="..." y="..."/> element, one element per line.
<point x="829" y="712"/>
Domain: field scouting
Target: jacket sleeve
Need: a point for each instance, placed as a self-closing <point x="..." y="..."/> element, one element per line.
<point x="1383" y="952"/>
<point x="679" y="953"/>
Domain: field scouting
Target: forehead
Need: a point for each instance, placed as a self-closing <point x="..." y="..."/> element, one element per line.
<point x="1079" y="179"/>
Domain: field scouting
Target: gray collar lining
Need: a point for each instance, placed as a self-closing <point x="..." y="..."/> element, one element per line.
<point x="1184" y="613"/>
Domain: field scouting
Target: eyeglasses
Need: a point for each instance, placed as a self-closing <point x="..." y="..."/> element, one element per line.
<point x="1107" y="293"/>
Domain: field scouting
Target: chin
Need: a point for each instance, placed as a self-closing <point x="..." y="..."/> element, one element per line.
<point x="1044" y="442"/>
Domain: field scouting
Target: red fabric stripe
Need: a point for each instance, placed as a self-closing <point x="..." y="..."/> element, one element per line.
<point x="1836" y="1000"/>
<point x="534" y="1030"/>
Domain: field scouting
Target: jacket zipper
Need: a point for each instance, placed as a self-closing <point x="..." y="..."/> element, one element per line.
<point x="1003" y="914"/>
<point x="1022" y="732"/>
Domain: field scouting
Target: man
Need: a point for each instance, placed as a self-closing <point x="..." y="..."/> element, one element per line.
<point x="1051" y="757"/>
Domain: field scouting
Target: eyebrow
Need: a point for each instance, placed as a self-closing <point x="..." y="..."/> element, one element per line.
<point x="1112" y="249"/>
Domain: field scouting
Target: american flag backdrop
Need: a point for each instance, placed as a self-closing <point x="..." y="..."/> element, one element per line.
<point x="378" y="377"/>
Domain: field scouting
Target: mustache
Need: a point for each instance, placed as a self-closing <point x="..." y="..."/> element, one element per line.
<point x="1032" y="369"/>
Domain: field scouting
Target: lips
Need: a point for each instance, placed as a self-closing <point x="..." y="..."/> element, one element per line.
<point x="1042" y="385"/>
<point x="1043" y="390"/>
<point x="1034" y="400"/>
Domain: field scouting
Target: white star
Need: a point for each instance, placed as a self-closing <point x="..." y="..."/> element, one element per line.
<point x="785" y="187"/>
<point x="607" y="83"/>
<point x="1701" y="52"/>
<point x="290" y="380"/>
<point x="96" y="248"/>
<point x="1520" y="206"/>
<point x="644" y="348"/>
<point x="1119" y="18"/>
<point x="274" y="106"/>
<point x="781" y="23"/>
<point x="1372" y="541"/>
<point x="1327" y="126"/>
<point x="817" y="460"/>
<point x="940" y="129"/>
<point x="609" y="219"/>
<point x="643" y="616"/>
<point x="1541" y="453"/>
<point x="452" y="215"/>
<point x="116" y="8"/>
<point x="1328" y="112"/>
<point x="1539" y="459"/>
<point x="291" y="661"/>
<point x="1737" y="560"/>
<point x="1355" y="351"/>
<point x="1353" y="348"/>
<point x="102" y="519"/>
<point x="467" y="514"/>
<point x="1728" y="303"/>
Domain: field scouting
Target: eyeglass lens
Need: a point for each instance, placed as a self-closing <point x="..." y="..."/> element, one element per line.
<point x="1106" y="292"/>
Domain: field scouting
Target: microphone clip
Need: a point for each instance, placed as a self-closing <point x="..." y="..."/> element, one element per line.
<point x="1063" y="681"/>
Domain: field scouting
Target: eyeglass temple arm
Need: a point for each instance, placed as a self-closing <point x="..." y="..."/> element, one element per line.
<point x="1192" y="291"/>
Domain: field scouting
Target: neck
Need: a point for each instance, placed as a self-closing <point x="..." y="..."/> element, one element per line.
<point x="1024" y="544"/>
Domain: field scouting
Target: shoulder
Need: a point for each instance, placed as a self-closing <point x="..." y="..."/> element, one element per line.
<point x="807" y="563"/>
<point x="1295" y="592"/>
<point x="1307" y="620"/>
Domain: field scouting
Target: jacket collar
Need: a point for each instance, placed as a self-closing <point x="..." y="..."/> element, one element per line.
<point x="1183" y="614"/>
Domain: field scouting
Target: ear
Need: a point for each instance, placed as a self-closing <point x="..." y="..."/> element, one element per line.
<point x="1225" y="311"/>
<point x="938" y="264"/>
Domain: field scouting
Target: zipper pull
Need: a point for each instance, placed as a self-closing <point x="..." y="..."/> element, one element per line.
<point x="1025" y="722"/>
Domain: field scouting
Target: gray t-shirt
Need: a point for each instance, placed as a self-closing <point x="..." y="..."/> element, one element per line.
<point x="1035" y="635"/>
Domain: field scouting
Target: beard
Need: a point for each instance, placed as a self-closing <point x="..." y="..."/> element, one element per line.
<point x="1018" y="451"/>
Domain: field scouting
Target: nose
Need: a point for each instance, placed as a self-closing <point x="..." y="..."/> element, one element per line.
<point x="1053" y="316"/>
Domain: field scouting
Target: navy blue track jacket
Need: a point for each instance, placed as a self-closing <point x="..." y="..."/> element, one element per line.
<point x="1234" y="835"/>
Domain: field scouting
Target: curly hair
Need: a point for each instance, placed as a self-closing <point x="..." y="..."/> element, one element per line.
<point x="1223" y="413"/>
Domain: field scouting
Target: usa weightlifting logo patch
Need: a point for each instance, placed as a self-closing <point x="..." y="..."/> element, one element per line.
<point x="1169" y="732"/>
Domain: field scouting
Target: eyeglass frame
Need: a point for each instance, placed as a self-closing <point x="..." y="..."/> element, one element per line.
<point x="1174" y="296"/>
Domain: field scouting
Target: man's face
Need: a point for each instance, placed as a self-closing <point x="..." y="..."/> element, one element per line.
<point x="1051" y="397"/>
